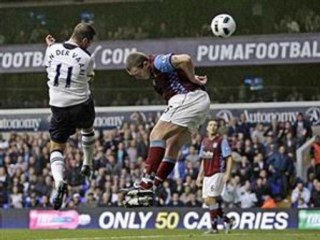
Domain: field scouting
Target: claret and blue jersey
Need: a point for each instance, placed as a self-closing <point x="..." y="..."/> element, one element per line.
<point x="214" y="152"/>
<point x="169" y="81"/>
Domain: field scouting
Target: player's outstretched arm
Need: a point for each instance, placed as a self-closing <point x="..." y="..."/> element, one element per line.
<point x="50" y="40"/>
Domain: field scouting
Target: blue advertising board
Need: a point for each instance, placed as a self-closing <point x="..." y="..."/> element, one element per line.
<point x="145" y="218"/>
<point x="114" y="117"/>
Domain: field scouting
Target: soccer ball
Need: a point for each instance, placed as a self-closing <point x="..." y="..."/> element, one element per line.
<point x="223" y="25"/>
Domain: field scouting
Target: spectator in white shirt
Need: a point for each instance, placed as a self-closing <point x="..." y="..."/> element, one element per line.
<point x="300" y="196"/>
<point x="248" y="198"/>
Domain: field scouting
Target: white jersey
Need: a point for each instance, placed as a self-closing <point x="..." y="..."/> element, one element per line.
<point x="68" y="67"/>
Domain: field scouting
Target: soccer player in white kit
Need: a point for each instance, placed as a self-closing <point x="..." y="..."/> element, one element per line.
<point x="70" y="69"/>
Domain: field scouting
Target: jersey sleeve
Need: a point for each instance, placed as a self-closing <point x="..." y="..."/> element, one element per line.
<point x="163" y="63"/>
<point x="46" y="58"/>
<point x="201" y="151"/>
<point x="90" y="66"/>
<point x="225" y="148"/>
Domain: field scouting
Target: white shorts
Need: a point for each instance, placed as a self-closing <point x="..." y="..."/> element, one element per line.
<point x="213" y="186"/>
<point x="188" y="110"/>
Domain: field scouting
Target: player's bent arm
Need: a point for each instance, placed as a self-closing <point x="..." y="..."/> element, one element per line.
<point x="46" y="57"/>
<point x="50" y="40"/>
<point x="90" y="70"/>
<point x="229" y="161"/>
<point x="200" y="174"/>
<point x="184" y="62"/>
<point x="91" y="76"/>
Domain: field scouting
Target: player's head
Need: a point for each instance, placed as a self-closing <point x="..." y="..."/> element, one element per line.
<point x="138" y="65"/>
<point x="212" y="127"/>
<point x="83" y="35"/>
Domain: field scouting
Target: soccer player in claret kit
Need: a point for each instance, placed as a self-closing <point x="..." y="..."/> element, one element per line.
<point x="70" y="69"/>
<point x="215" y="171"/>
<point x="174" y="78"/>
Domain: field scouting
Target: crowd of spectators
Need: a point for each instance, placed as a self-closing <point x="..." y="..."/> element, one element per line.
<point x="264" y="172"/>
<point x="303" y="20"/>
<point x="38" y="23"/>
<point x="125" y="98"/>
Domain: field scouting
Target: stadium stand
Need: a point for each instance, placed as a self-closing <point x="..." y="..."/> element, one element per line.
<point x="265" y="155"/>
<point x="265" y="168"/>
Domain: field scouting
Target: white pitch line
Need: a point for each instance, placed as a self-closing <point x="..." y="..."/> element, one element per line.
<point x="128" y="237"/>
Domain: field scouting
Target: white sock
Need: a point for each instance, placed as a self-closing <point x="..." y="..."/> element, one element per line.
<point x="57" y="167"/>
<point x="88" y="141"/>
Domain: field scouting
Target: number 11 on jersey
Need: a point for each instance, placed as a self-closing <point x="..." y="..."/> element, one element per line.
<point x="57" y="76"/>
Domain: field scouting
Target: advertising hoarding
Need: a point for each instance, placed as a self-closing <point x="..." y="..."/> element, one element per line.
<point x="146" y="218"/>
<point x="114" y="117"/>
<point x="206" y="52"/>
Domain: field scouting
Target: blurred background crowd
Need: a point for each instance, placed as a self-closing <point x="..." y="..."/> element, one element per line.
<point x="264" y="173"/>
<point x="159" y="19"/>
<point x="260" y="17"/>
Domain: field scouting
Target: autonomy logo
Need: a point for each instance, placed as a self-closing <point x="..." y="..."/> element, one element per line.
<point x="314" y="115"/>
<point x="225" y="114"/>
<point x="111" y="121"/>
<point x="20" y="123"/>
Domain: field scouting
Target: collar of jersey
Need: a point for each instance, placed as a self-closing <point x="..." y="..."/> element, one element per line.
<point x="72" y="43"/>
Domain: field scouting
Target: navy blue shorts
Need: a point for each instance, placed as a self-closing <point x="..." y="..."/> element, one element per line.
<point x="65" y="121"/>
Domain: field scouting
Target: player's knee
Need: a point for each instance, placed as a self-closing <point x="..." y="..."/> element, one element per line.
<point x="54" y="146"/>
<point x="172" y="151"/>
<point x="163" y="130"/>
<point x="210" y="201"/>
<point x="86" y="131"/>
<point x="156" y="134"/>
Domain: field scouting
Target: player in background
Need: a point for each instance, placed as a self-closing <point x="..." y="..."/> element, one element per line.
<point x="174" y="78"/>
<point x="70" y="69"/>
<point x="214" y="173"/>
<point x="315" y="154"/>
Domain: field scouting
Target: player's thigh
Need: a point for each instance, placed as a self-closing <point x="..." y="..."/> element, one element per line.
<point x="60" y="126"/>
<point x="174" y="144"/>
<point x="84" y="115"/>
<point x="188" y="110"/>
<point x="213" y="186"/>
<point x="165" y="130"/>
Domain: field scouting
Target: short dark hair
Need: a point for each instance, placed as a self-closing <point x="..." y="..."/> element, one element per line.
<point x="214" y="120"/>
<point x="83" y="30"/>
<point x="136" y="59"/>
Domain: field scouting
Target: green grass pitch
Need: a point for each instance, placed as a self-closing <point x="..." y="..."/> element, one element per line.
<point x="178" y="234"/>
